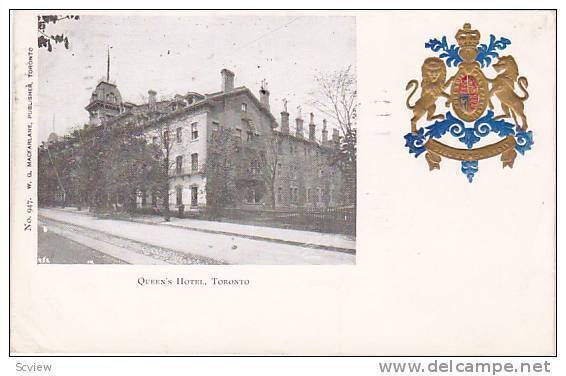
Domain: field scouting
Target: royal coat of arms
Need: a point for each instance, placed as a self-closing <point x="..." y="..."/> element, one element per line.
<point x="474" y="100"/>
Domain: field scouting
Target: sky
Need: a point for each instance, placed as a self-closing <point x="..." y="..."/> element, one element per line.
<point x="175" y="55"/>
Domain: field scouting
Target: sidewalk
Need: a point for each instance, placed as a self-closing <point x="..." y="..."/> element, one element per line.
<point x="311" y="239"/>
<point x="229" y="249"/>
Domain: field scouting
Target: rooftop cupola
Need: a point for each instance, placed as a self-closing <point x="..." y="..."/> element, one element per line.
<point x="105" y="100"/>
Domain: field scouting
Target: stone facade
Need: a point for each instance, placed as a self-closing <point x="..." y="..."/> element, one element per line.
<point x="304" y="174"/>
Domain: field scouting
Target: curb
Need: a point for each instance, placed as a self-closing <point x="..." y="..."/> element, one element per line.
<point x="262" y="238"/>
<point x="246" y="236"/>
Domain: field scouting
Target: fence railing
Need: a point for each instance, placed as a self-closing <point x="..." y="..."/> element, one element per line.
<point x="340" y="220"/>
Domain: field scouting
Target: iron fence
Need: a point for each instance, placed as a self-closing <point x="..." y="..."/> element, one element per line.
<point x="341" y="220"/>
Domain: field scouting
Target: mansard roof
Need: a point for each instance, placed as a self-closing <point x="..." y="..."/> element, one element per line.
<point x="105" y="93"/>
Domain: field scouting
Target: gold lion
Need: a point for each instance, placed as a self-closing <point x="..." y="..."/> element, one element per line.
<point x="432" y="86"/>
<point x="503" y="86"/>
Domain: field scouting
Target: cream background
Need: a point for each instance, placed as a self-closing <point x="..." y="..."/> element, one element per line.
<point x="443" y="266"/>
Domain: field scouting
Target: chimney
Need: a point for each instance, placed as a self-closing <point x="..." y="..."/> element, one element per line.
<point x="312" y="129"/>
<point x="324" y="132"/>
<point x="299" y="123"/>
<point x="152" y="102"/>
<point x="299" y="128"/>
<point x="227" y="80"/>
<point x="335" y="135"/>
<point x="284" y="122"/>
<point x="264" y="94"/>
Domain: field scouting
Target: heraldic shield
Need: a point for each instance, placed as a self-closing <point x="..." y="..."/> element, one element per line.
<point x="472" y="97"/>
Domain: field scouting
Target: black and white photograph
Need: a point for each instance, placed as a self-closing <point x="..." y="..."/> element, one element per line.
<point x="197" y="139"/>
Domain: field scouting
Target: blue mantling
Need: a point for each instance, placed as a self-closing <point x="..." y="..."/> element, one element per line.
<point x="524" y="140"/>
<point x="450" y="52"/>
<point x="486" y="52"/>
<point x="469" y="136"/>
<point x="469" y="168"/>
<point x="415" y="142"/>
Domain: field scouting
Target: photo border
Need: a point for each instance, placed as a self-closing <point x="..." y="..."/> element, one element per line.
<point x="10" y="119"/>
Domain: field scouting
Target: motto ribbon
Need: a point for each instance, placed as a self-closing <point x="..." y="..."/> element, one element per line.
<point x="515" y="140"/>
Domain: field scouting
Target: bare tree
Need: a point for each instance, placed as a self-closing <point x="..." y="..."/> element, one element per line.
<point x="269" y="160"/>
<point x="336" y="96"/>
<point x="164" y="143"/>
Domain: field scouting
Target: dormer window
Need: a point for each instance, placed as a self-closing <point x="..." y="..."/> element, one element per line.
<point x="110" y="97"/>
<point x="244" y="107"/>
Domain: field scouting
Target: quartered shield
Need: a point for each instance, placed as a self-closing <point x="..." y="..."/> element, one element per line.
<point x="469" y="94"/>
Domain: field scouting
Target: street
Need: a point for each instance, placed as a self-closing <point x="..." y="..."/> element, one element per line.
<point x="151" y="243"/>
<point x="56" y="249"/>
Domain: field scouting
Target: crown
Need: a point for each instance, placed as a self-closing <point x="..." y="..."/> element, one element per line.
<point x="467" y="37"/>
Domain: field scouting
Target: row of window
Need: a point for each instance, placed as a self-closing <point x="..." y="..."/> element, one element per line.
<point x="179" y="163"/>
<point x="249" y="128"/>
<point x="253" y="196"/>
<point x="194" y="133"/>
<point x="294" y="149"/>
<point x="179" y="196"/>
<point x="293" y="171"/>
<point x="178" y="134"/>
<point x="110" y="97"/>
<point x="254" y="167"/>
<point x="249" y="135"/>
<point x="313" y="195"/>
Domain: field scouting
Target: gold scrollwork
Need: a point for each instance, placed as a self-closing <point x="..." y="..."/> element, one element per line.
<point x="504" y="147"/>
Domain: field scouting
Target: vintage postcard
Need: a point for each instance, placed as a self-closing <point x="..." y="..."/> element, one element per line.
<point x="283" y="182"/>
